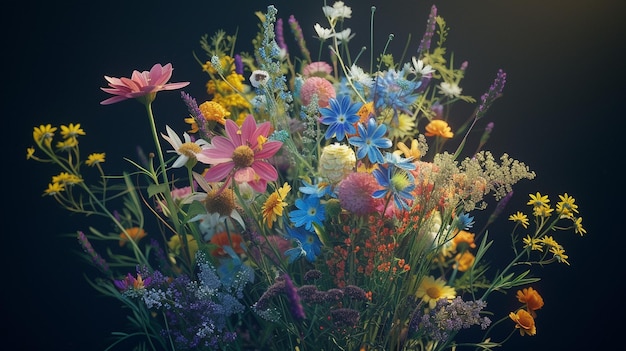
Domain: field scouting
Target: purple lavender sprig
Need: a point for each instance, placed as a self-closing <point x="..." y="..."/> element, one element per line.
<point x="194" y="110"/>
<point x="96" y="259"/>
<point x="494" y="92"/>
<point x="297" y="33"/>
<point x="280" y="36"/>
<point x="297" y="311"/>
<point x="430" y="31"/>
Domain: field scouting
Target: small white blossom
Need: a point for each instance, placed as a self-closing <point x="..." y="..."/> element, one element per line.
<point x="420" y="69"/>
<point x="344" y="35"/>
<point x="259" y="78"/>
<point x="323" y="33"/>
<point x="337" y="11"/>
<point x="451" y="90"/>
<point x="357" y="74"/>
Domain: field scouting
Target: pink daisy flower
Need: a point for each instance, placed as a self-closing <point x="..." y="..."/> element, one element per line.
<point x="143" y="85"/>
<point x="241" y="155"/>
<point x="355" y="193"/>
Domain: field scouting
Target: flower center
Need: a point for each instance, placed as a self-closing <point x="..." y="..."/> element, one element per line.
<point x="243" y="156"/>
<point x="434" y="292"/>
<point x="220" y="202"/>
<point x="189" y="149"/>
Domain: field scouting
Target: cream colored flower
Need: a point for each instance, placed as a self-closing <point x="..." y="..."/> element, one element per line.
<point x="336" y="162"/>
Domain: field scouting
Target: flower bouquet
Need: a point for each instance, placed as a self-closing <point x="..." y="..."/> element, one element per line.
<point x="311" y="204"/>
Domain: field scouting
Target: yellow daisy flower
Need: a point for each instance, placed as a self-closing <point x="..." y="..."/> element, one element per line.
<point x="54" y="189"/>
<point x="72" y="131"/>
<point x="44" y="133"/>
<point x="414" y="151"/>
<point x="578" y="226"/>
<point x="538" y="200"/>
<point x="520" y="218"/>
<point x="566" y="207"/>
<point x="275" y="204"/>
<point x="431" y="290"/>
<point x="94" y="159"/>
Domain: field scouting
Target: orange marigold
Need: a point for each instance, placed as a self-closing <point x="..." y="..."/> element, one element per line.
<point x="524" y="322"/>
<point x="531" y="298"/>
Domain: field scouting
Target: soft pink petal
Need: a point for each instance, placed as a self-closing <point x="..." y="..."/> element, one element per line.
<point x="223" y="144"/>
<point x="174" y="86"/>
<point x="245" y="175"/>
<point x="248" y="127"/>
<point x="113" y="100"/>
<point x="232" y="131"/>
<point x="218" y="172"/>
<point x="269" y="149"/>
<point x="258" y="185"/>
<point x="265" y="170"/>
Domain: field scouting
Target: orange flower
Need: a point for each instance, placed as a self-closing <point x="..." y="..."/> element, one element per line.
<point x="464" y="261"/>
<point x="531" y="298"/>
<point x="226" y="239"/>
<point x="524" y="322"/>
<point x="464" y="237"/>
<point x="134" y="233"/>
<point x="438" y="127"/>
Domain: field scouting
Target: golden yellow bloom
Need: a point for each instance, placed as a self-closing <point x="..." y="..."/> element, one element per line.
<point x="578" y="226"/>
<point x="66" y="178"/>
<point x="566" y="207"/>
<point x="67" y="144"/>
<point x="531" y="298"/>
<point x="275" y="204"/>
<point x="465" y="238"/>
<point x="71" y="131"/>
<point x="54" y="188"/>
<point x="94" y="159"/>
<point x="414" y="151"/>
<point x="439" y="127"/>
<point x="44" y="133"/>
<point x="524" y="322"/>
<point x="135" y="233"/>
<point x="431" y="290"/>
<point x="542" y="211"/>
<point x="534" y="244"/>
<point x="402" y="126"/>
<point x="213" y="111"/>
<point x="520" y="218"/>
<point x="538" y="200"/>
<point x="559" y="254"/>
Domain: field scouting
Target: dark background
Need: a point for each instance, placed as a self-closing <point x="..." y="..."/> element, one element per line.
<point x="561" y="114"/>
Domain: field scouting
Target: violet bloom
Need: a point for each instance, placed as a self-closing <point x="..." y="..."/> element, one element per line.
<point x="142" y="85"/>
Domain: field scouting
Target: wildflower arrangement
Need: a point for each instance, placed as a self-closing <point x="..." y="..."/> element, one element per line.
<point x="312" y="204"/>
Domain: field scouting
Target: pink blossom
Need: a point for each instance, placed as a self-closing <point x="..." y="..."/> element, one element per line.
<point x="317" y="68"/>
<point x="242" y="154"/>
<point x="141" y="84"/>
<point x="355" y="193"/>
<point x="317" y="86"/>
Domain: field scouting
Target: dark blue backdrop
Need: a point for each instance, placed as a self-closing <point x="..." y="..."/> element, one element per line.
<point x="561" y="114"/>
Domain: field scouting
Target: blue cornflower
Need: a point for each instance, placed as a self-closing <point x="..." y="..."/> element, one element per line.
<point x="399" y="161"/>
<point x="393" y="90"/>
<point x="316" y="189"/>
<point x="309" y="241"/>
<point x="340" y="116"/>
<point x="369" y="140"/>
<point x="396" y="182"/>
<point x="465" y="221"/>
<point x="310" y="210"/>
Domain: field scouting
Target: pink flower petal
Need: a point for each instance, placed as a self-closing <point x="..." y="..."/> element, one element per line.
<point x="218" y="172"/>
<point x="265" y="170"/>
<point x="269" y="149"/>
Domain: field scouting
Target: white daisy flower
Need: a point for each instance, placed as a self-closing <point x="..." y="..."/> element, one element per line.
<point x="323" y="33"/>
<point x="259" y="78"/>
<point x="187" y="151"/>
<point x="451" y="90"/>
<point x="357" y="74"/>
<point x="345" y="35"/>
<point x="420" y="69"/>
